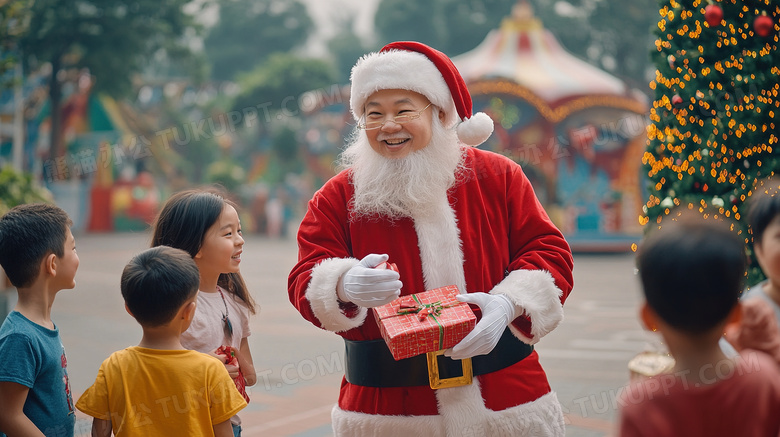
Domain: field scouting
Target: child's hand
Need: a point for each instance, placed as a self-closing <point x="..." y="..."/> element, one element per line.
<point x="757" y="330"/>
<point x="228" y="356"/>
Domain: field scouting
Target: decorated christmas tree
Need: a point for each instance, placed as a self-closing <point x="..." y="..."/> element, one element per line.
<point x="716" y="114"/>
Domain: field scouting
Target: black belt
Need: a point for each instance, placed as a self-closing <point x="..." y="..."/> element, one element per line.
<point x="370" y="364"/>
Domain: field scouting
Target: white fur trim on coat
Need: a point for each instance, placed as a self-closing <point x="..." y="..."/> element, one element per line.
<point x="441" y="254"/>
<point x="540" y="418"/>
<point x="322" y="297"/>
<point x="534" y="292"/>
<point x="403" y="70"/>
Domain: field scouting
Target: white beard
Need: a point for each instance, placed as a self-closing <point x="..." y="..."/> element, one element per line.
<point x="412" y="186"/>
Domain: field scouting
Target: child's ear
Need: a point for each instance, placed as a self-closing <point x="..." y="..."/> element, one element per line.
<point x="128" y="311"/>
<point x="188" y="310"/>
<point x="49" y="265"/>
<point x="735" y="316"/>
<point x="648" y="317"/>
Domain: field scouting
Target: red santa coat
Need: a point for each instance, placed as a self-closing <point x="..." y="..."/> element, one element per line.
<point x="490" y="234"/>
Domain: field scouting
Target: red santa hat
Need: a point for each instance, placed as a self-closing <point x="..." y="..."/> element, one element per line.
<point x="413" y="66"/>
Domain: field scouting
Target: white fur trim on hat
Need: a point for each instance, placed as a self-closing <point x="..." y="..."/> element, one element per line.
<point x="416" y="68"/>
<point x="535" y="293"/>
<point x="321" y="295"/>
<point x="402" y="70"/>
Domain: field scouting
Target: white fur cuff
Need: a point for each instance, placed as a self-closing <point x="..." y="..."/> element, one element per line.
<point x="534" y="292"/>
<point x="322" y="295"/>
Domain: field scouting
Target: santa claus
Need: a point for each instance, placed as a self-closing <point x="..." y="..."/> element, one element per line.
<point x="414" y="192"/>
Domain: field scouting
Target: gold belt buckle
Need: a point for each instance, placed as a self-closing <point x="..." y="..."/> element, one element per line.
<point x="457" y="381"/>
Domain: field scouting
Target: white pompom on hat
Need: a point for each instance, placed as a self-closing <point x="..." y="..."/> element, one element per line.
<point x="413" y="66"/>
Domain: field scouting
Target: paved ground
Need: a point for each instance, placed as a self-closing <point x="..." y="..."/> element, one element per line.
<point x="300" y="366"/>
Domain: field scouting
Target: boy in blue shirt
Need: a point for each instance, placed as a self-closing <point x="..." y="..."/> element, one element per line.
<point x="38" y="254"/>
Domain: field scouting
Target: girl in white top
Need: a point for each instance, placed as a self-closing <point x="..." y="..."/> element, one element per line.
<point x="206" y="225"/>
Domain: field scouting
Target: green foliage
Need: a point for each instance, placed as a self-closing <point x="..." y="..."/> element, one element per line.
<point x="285" y="145"/>
<point x="611" y="34"/>
<point x="345" y="48"/>
<point x="112" y="38"/>
<point x="193" y="152"/>
<point x="249" y="31"/>
<point x="226" y="173"/>
<point x="18" y="188"/>
<point x="452" y="26"/>
<point x="14" y="21"/>
<point x="277" y="85"/>
<point x="284" y="158"/>
<point x="407" y="20"/>
<point x="709" y="151"/>
<point x="464" y="24"/>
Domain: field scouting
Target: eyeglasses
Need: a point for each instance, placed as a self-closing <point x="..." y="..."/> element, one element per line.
<point x="398" y="119"/>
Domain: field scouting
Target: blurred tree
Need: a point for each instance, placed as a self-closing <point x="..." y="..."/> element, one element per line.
<point x="14" y="21"/>
<point x="464" y="24"/>
<point x="284" y="157"/>
<point x="248" y="31"/>
<point x="611" y="34"/>
<point x="617" y="38"/>
<point x="17" y="188"/>
<point x="276" y="86"/>
<point x="112" y="38"/>
<point x="345" y="48"/>
<point x="407" y="20"/>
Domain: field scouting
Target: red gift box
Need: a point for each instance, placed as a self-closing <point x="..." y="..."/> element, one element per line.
<point x="424" y="322"/>
<point x="240" y="380"/>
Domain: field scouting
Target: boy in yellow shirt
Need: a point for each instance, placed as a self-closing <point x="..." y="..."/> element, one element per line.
<point x="158" y="387"/>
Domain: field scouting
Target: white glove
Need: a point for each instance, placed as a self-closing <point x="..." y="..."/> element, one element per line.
<point x="368" y="287"/>
<point x="497" y="313"/>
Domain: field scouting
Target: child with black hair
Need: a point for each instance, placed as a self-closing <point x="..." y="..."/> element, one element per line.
<point x="38" y="254"/>
<point x="205" y="224"/>
<point x="691" y="273"/>
<point x="761" y="302"/>
<point x="159" y="388"/>
<point x="764" y="221"/>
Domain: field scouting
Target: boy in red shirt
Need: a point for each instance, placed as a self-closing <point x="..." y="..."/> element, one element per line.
<point x="691" y="273"/>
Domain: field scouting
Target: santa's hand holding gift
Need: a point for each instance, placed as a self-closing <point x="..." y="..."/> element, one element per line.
<point x="413" y="191"/>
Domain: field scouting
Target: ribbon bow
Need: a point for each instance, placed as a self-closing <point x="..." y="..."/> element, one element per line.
<point x="411" y="304"/>
<point x="423" y="310"/>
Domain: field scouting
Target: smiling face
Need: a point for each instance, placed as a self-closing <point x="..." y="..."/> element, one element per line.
<point x="768" y="254"/>
<point x="395" y="140"/>
<point x="68" y="264"/>
<point x="222" y="245"/>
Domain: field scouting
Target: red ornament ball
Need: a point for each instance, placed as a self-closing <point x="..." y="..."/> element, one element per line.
<point x="713" y="14"/>
<point x="677" y="100"/>
<point x="763" y="25"/>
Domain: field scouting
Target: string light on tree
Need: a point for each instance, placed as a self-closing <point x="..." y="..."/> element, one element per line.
<point x="715" y="114"/>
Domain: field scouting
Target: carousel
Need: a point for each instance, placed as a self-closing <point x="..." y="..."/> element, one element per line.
<point x="577" y="131"/>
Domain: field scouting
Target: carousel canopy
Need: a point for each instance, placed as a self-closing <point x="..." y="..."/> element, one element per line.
<point x="523" y="52"/>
